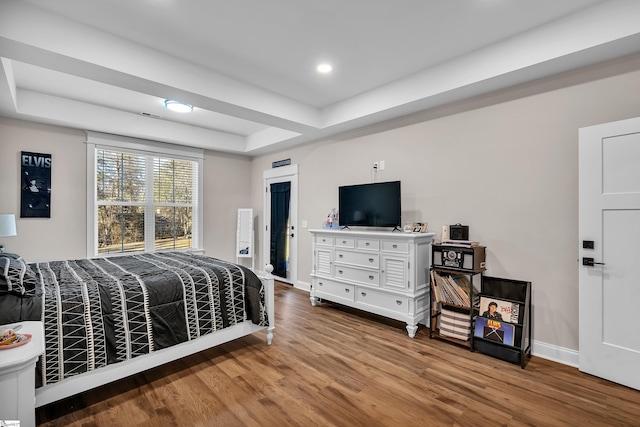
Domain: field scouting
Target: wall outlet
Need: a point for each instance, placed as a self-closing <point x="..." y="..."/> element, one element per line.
<point x="305" y="224"/>
<point x="381" y="163"/>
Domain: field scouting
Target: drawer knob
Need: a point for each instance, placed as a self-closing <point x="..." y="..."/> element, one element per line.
<point x="395" y="246"/>
<point x="370" y="259"/>
<point x="340" y="256"/>
<point x="370" y="277"/>
<point x="346" y="290"/>
<point x="398" y="302"/>
<point x="339" y="271"/>
<point x="320" y="283"/>
<point x="364" y="294"/>
<point x="344" y="242"/>
<point x="367" y="244"/>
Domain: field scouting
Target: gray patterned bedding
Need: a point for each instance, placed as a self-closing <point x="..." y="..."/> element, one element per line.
<point x="106" y="310"/>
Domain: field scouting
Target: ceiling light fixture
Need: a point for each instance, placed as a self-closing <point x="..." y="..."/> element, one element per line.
<point x="324" y="68"/>
<point x="177" y="106"/>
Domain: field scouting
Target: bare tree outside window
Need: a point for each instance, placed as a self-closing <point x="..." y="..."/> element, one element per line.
<point x="125" y="210"/>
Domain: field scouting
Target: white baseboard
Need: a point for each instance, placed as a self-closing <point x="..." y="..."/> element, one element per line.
<point x="555" y="353"/>
<point x="305" y="286"/>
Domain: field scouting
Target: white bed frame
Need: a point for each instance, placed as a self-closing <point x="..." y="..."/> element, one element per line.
<point x="89" y="380"/>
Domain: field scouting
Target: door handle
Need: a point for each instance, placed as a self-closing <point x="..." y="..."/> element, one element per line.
<point x="590" y="262"/>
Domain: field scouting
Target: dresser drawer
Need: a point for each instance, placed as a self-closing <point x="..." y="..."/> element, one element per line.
<point x="324" y="240"/>
<point x="333" y="290"/>
<point x="383" y="300"/>
<point x="373" y="244"/>
<point x="395" y="246"/>
<point x="370" y="277"/>
<point x="345" y="242"/>
<point x="369" y="260"/>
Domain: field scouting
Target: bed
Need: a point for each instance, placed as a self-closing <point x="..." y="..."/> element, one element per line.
<point x="107" y="318"/>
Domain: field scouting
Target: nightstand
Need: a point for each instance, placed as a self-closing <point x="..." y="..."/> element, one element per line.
<point x="18" y="376"/>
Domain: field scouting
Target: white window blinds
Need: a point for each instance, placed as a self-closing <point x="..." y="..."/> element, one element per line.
<point x="144" y="201"/>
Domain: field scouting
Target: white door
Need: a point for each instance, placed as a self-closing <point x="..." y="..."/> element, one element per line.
<point x="610" y="218"/>
<point x="274" y="176"/>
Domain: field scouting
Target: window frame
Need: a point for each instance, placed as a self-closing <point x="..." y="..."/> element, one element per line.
<point x="98" y="141"/>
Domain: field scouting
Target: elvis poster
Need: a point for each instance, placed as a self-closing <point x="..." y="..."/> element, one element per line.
<point x="35" y="185"/>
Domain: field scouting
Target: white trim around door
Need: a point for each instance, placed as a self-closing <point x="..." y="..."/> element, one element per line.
<point x="273" y="176"/>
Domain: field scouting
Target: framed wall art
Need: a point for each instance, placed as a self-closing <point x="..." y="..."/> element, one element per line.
<point x="35" y="201"/>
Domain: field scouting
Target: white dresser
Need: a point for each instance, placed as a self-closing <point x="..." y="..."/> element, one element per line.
<point x="386" y="273"/>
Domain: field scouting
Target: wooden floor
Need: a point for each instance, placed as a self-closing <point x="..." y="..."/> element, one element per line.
<point x="332" y="366"/>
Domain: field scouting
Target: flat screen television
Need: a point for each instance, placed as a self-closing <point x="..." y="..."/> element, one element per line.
<point x="370" y="205"/>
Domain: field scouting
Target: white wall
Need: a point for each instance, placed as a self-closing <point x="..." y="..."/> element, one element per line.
<point x="227" y="180"/>
<point x="63" y="236"/>
<point x="505" y="164"/>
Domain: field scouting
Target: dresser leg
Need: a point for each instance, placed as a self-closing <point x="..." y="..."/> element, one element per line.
<point x="411" y="329"/>
<point x="313" y="300"/>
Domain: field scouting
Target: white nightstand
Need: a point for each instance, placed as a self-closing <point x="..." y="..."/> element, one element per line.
<point x="18" y="376"/>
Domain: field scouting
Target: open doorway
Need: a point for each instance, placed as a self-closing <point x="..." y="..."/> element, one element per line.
<point x="280" y="214"/>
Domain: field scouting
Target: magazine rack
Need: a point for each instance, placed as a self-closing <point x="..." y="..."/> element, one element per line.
<point x="506" y="292"/>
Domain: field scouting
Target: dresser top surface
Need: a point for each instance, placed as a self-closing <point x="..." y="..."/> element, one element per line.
<point x="376" y="234"/>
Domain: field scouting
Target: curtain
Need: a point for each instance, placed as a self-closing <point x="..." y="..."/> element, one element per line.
<point x="280" y="196"/>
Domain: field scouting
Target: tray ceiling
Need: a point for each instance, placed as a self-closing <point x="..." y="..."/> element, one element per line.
<point x="249" y="67"/>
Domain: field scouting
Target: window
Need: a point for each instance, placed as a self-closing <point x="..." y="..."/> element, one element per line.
<point x="142" y="200"/>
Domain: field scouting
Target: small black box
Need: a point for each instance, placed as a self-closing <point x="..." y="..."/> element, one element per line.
<point x="459" y="232"/>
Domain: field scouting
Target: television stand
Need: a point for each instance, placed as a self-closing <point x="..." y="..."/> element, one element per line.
<point x="379" y="272"/>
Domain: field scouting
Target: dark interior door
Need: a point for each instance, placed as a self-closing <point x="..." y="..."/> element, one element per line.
<point x="280" y="196"/>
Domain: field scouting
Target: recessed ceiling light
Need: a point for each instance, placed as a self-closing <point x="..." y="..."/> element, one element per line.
<point x="177" y="106"/>
<point x="324" y="68"/>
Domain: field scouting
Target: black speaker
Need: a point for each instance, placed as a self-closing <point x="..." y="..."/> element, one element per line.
<point x="459" y="232"/>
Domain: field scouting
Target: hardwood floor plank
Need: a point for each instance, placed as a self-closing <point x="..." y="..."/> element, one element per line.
<point x="334" y="366"/>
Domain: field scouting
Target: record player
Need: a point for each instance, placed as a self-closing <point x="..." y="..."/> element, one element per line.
<point x="458" y="257"/>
